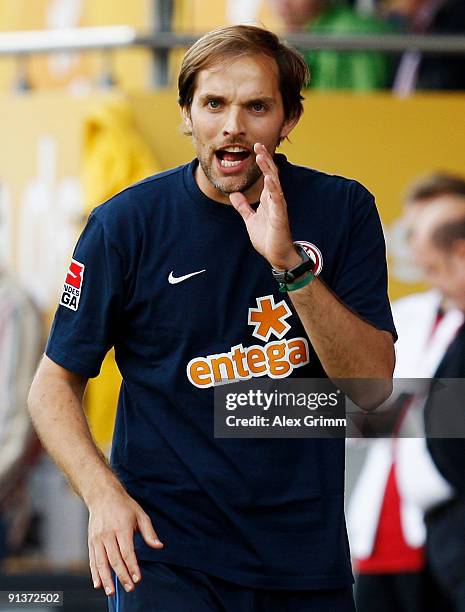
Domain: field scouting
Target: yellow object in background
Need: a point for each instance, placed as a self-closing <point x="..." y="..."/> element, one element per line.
<point x="101" y="400"/>
<point x="204" y="15"/>
<point x="115" y="156"/>
<point x="115" y="153"/>
<point x="131" y="68"/>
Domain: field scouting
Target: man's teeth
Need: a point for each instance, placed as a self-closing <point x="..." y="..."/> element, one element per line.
<point x="235" y="149"/>
<point x="229" y="164"/>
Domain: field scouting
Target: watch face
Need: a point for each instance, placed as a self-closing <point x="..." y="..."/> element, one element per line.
<point x="314" y="253"/>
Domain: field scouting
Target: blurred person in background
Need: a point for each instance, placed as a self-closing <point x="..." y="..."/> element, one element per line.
<point x="399" y="481"/>
<point x="347" y="70"/>
<point x="169" y="272"/>
<point x="419" y="71"/>
<point x="20" y="346"/>
<point x="439" y="248"/>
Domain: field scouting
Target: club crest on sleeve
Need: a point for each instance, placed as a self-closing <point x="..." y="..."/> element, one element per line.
<point x="73" y="285"/>
<point x="315" y="255"/>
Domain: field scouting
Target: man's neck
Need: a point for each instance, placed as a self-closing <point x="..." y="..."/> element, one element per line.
<point x="207" y="188"/>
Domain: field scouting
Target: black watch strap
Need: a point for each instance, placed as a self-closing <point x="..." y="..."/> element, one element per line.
<point x="289" y="276"/>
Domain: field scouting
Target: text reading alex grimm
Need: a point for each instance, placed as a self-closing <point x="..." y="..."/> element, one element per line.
<point x="179" y="273"/>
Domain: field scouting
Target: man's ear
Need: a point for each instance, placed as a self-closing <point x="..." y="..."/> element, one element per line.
<point x="288" y="126"/>
<point x="186" y="117"/>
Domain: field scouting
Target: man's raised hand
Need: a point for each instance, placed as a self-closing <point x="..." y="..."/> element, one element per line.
<point x="268" y="226"/>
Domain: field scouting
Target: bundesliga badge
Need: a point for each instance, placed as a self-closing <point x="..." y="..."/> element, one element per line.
<point x="314" y="253"/>
<point x="73" y="285"/>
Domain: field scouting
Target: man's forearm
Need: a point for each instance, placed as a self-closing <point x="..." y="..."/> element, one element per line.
<point x="55" y="404"/>
<point x="347" y="346"/>
<point x="56" y="410"/>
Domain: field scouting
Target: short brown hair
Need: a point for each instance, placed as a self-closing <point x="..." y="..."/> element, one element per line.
<point x="237" y="40"/>
<point x="436" y="185"/>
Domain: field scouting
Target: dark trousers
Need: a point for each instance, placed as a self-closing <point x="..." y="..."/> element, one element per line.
<point x="170" y="588"/>
<point x="407" y="592"/>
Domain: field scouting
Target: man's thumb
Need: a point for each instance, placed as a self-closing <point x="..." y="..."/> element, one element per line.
<point x="241" y="204"/>
<point x="147" y="531"/>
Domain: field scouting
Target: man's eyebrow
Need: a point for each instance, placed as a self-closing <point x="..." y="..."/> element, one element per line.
<point x="211" y="96"/>
<point x="266" y="100"/>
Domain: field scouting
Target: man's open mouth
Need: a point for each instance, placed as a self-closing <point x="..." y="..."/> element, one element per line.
<point x="230" y="157"/>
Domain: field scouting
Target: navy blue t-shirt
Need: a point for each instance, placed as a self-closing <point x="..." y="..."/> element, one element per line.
<point x="260" y="512"/>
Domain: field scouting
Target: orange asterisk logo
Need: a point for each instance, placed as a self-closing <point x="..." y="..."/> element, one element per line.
<point x="269" y="318"/>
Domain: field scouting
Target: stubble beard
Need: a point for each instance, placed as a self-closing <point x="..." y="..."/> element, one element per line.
<point x="228" y="185"/>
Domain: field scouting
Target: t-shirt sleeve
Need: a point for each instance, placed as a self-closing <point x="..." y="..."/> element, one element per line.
<point x="361" y="281"/>
<point x="86" y="320"/>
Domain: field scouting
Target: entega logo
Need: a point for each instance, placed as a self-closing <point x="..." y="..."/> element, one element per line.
<point x="73" y="285"/>
<point x="276" y="359"/>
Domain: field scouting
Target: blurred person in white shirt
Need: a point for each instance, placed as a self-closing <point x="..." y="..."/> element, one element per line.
<point x="399" y="481"/>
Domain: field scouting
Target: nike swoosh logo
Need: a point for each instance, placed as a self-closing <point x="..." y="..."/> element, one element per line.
<point x="173" y="280"/>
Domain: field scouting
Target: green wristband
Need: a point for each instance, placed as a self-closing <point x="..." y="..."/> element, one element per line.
<point x="306" y="280"/>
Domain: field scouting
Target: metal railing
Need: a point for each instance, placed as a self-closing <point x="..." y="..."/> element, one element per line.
<point x="25" y="43"/>
<point x="114" y="37"/>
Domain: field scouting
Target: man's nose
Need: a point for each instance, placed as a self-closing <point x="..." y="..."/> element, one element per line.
<point x="234" y="124"/>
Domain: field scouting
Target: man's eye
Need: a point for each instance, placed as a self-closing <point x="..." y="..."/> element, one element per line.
<point x="213" y="104"/>
<point x="258" y="107"/>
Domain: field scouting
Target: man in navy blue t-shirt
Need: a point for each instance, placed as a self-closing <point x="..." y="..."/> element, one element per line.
<point x="237" y="265"/>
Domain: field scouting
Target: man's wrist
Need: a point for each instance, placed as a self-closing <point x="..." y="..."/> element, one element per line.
<point x="299" y="283"/>
<point x="290" y="261"/>
<point x="101" y="486"/>
<point x="302" y="273"/>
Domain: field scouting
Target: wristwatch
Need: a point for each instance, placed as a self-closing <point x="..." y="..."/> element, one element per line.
<point x="290" y="280"/>
<point x="289" y="276"/>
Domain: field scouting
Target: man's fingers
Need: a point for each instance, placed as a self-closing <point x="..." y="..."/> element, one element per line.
<point x="126" y="546"/>
<point x="272" y="198"/>
<point x="263" y="164"/>
<point x="270" y="171"/>
<point x="147" y="531"/>
<point x="103" y="568"/>
<point x="241" y="204"/>
<point x="265" y="160"/>
<point x="117" y="563"/>
<point x="93" y="568"/>
<point x="273" y="187"/>
<point x="111" y="541"/>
